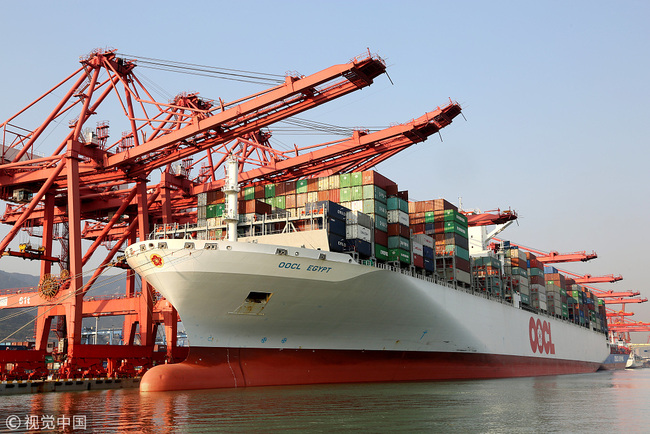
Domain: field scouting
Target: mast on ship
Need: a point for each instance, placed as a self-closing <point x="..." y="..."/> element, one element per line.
<point x="231" y="189"/>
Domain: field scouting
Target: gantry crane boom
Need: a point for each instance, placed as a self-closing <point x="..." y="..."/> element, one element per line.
<point x="588" y="278"/>
<point x="612" y="294"/>
<point x="625" y="300"/>
<point x="493" y="217"/>
<point x="206" y="127"/>
<point x="555" y="257"/>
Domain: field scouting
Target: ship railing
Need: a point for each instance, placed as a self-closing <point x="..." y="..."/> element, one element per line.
<point x="437" y="280"/>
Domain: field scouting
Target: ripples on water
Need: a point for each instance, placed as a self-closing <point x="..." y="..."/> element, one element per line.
<point x="601" y="402"/>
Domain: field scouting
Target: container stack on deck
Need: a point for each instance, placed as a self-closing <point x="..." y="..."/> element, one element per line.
<point x="486" y="276"/>
<point x="516" y="273"/>
<point x="556" y="294"/>
<point x="442" y="220"/>
<point x="365" y="213"/>
<point x="536" y="282"/>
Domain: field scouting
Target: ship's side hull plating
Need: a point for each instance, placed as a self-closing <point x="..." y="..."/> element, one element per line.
<point x="257" y="318"/>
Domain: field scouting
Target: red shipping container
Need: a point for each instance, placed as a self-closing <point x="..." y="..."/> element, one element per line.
<point x="312" y="185"/>
<point x="418" y="260"/>
<point x="381" y="237"/>
<point x="370" y="177"/>
<point x="289" y="188"/>
<point x="253" y="206"/>
<point x="259" y="192"/>
<point x="396" y="229"/>
<point x="417" y="228"/>
<point x="462" y="264"/>
<point x="391" y="190"/>
<point x="324" y="195"/>
<point x="280" y="189"/>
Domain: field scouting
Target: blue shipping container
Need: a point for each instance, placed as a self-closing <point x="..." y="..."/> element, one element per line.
<point x="364" y="248"/>
<point x="335" y="226"/>
<point x="337" y="243"/>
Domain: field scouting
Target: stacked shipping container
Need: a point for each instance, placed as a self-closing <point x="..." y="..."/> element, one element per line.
<point x="442" y="220"/>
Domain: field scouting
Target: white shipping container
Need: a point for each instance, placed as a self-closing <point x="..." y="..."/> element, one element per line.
<point x="423" y="239"/>
<point x="358" y="218"/>
<point x="334" y="182"/>
<point x="356" y="205"/>
<point x="463" y="276"/>
<point x="398" y="216"/>
<point x="417" y="248"/>
<point x="542" y="305"/>
<point x="358" y="232"/>
<point x="323" y="183"/>
<point x="535" y="287"/>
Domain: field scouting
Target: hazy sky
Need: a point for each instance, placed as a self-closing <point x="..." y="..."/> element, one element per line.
<point x="555" y="94"/>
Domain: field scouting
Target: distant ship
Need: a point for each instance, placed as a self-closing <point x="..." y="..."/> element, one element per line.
<point x="634" y="361"/>
<point x="618" y="357"/>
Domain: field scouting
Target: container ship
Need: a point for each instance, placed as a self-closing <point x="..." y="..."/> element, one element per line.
<point x="343" y="279"/>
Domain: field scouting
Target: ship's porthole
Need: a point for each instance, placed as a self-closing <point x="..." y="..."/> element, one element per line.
<point x="297" y="253"/>
<point x="228" y="247"/>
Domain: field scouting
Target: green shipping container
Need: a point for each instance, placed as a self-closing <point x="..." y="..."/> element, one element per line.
<point x="211" y="211"/>
<point x="399" y="255"/>
<point x="429" y="217"/>
<point x="525" y="299"/>
<point x="356" y="178"/>
<point x="269" y="190"/>
<point x="374" y="192"/>
<point x="345" y="180"/>
<point x="381" y="252"/>
<point x="357" y="192"/>
<point x="455" y="216"/>
<point x="458" y="251"/>
<point x="280" y="202"/>
<point x="249" y="193"/>
<point x="345" y="194"/>
<point x="301" y="186"/>
<point x="399" y="243"/>
<point x="457" y="228"/>
<point x="375" y="207"/>
<point x="381" y="223"/>
<point x="270" y="201"/>
<point x="397" y="203"/>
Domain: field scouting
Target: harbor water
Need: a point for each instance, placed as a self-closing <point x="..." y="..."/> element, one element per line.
<point x="606" y="401"/>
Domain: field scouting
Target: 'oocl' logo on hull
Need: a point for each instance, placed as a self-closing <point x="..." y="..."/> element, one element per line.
<point x="539" y="333"/>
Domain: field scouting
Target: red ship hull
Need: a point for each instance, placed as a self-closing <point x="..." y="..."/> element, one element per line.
<point x="211" y="368"/>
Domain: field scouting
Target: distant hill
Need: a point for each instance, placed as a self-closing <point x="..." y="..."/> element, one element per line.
<point x="13" y="319"/>
<point x="17" y="280"/>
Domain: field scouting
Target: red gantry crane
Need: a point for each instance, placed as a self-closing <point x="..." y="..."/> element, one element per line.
<point x="555" y="257"/>
<point x="89" y="188"/>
